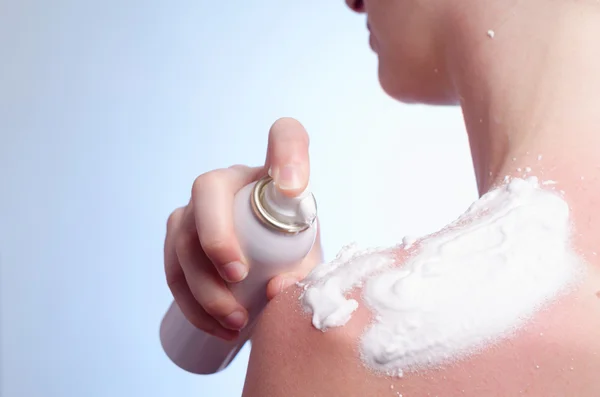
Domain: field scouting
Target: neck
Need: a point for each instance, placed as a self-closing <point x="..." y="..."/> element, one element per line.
<point x="530" y="95"/>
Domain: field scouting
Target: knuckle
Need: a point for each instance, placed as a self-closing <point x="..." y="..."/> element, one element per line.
<point x="199" y="184"/>
<point x="218" y="307"/>
<point x="238" y="167"/>
<point x="215" y="246"/>
<point x="174" y="218"/>
<point x="184" y="242"/>
<point x="175" y="280"/>
<point x="207" y="181"/>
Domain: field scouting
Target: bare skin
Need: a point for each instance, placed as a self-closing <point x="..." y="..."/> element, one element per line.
<point x="531" y="90"/>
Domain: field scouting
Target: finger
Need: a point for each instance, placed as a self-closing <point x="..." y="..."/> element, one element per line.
<point x="205" y="284"/>
<point x="213" y="200"/>
<point x="177" y="283"/>
<point x="280" y="283"/>
<point x="173" y="272"/>
<point x="287" y="156"/>
<point x="198" y="317"/>
<point x="283" y="281"/>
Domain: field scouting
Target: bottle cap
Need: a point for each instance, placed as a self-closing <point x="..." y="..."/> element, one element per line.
<point x="285" y="214"/>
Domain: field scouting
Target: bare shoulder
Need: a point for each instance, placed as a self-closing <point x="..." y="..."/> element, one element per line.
<point x="504" y="302"/>
<point x="557" y="354"/>
<point x="292" y="358"/>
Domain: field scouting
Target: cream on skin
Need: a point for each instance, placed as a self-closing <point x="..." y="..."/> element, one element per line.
<point x="463" y="289"/>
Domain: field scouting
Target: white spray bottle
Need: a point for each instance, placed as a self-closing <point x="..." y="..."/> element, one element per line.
<point x="275" y="233"/>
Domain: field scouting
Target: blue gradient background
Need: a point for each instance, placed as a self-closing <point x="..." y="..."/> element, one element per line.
<point x="109" y="110"/>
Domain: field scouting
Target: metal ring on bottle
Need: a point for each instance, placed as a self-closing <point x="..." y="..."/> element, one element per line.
<point x="257" y="197"/>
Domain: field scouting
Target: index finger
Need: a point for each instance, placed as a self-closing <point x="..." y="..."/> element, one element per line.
<point x="213" y="197"/>
<point x="287" y="156"/>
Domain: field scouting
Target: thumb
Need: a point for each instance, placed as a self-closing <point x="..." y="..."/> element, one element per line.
<point x="287" y="156"/>
<point x="281" y="282"/>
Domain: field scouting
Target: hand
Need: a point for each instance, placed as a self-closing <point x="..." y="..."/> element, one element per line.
<point x="201" y="249"/>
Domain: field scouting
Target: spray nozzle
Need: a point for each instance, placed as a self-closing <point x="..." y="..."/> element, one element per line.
<point x="300" y="210"/>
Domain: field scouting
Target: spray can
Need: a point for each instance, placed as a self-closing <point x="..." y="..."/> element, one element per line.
<point x="275" y="233"/>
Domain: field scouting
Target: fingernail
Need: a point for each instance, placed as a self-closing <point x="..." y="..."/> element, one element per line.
<point x="236" y="320"/>
<point x="234" y="272"/>
<point x="288" y="177"/>
<point x="286" y="282"/>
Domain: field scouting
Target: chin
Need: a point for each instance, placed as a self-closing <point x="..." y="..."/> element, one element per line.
<point x="415" y="88"/>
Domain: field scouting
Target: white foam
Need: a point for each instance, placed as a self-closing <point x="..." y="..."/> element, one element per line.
<point x="470" y="285"/>
<point x="327" y="302"/>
